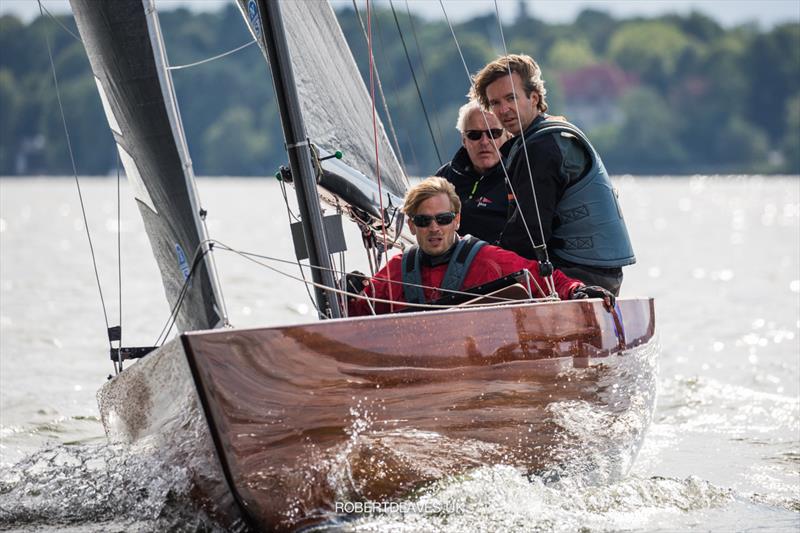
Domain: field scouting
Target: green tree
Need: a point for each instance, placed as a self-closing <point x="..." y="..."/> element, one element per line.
<point x="791" y="141"/>
<point x="647" y="140"/>
<point x="773" y="64"/>
<point x="233" y="145"/>
<point x="571" y="55"/>
<point x="650" y="48"/>
<point x="9" y="111"/>
<point x="597" y="27"/>
<point x="740" y="145"/>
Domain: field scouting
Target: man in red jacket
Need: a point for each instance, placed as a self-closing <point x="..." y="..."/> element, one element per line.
<point x="443" y="261"/>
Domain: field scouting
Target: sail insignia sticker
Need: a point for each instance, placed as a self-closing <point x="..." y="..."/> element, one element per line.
<point x="182" y="263"/>
<point x="255" y="20"/>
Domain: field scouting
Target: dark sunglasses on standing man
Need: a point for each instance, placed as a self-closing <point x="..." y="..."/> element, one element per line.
<point x="475" y="135"/>
<point x="443" y="219"/>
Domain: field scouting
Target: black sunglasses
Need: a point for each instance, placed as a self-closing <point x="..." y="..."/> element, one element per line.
<point x="475" y="135"/>
<point x="443" y="219"/>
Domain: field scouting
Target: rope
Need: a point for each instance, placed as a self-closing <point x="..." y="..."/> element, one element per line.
<point x="486" y="122"/>
<point x="299" y="266"/>
<point x="383" y="95"/>
<point x="416" y="84"/>
<point x="173" y="315"/>
<point x="548" y="280"/>
<point x="543" y="246"/>
<point x="214" y="58"/>
<point x="522" y="135"/>
<point x="375" y="135"/>
<point x="251" y="257"/>
<point x="75" y="175"/>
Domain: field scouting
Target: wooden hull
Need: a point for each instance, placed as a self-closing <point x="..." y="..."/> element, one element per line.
<point x="306" y="416"/>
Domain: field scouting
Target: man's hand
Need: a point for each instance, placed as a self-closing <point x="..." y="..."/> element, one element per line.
<point x="355" y="282"/>
<point x="594" y="291"/>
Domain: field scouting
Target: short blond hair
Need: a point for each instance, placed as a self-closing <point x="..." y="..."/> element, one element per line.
<point x="523" y="65"/>
<point x="428" y="188"/>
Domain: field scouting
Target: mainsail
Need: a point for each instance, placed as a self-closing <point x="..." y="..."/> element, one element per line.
<point x="122" y="40"/>
<point x="335" y="103"/>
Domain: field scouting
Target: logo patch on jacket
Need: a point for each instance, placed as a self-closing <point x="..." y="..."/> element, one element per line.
<point x="483" y="202"/>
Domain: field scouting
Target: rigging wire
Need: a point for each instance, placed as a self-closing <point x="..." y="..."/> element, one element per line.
<point x="381" y="92"/>
<point x="497" y="149"/>
<point x="425" y="78"/>
<point x="375" y="136"/>
<point x="543" y="246"/>
<point x="75" y="175"/>
<point x="550" y="284"/>
<point x="77" y="38"/>
<point x="522" y="135"/>
<point x="214" y="58"/>
<point x="171" y="100"/>
<point x="250" y="255"/>
<point x="416" y="84"/>
<point x="253" y="257"/>
<point x="119" y="253"/>
<point x="199" y="253"/>
<point x="299" y="265"/>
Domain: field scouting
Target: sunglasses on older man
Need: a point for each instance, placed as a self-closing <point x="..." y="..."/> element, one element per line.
<point x="443" y="219"/>
<point x="475" y="135"/>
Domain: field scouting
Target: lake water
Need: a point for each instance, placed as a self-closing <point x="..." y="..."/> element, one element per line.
<point x="721" y="256"/>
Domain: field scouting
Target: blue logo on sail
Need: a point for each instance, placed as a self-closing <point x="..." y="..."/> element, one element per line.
<point x="182" y="263"/>
<point x="255" y="20"/>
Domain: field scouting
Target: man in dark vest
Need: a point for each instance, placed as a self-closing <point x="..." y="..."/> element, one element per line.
<point x="477" y="175"/>
<point x="562" y="194"/>
<point x="443" y="260"/>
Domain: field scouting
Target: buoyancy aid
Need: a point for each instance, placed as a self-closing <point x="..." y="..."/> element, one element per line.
<point x="591" y="229"/>
<point x="460" y="260"/>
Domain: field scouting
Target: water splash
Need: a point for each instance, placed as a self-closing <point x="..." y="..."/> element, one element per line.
<point x="94" y="485"/>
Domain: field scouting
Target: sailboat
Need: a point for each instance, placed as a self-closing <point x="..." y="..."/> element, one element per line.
<point x="277" y="425"/>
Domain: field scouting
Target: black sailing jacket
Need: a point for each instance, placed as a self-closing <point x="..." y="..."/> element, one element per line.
<point x="484" y="199"/>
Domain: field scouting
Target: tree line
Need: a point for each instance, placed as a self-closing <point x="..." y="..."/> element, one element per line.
<point x="675" y="94"/>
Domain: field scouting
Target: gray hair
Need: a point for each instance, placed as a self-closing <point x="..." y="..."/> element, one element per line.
<point x="464" y="113"/>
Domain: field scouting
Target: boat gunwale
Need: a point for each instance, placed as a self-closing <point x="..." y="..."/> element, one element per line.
<point x="416" y="314"/>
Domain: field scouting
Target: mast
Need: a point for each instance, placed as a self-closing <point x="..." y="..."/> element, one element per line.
<point x="300" y="156"/>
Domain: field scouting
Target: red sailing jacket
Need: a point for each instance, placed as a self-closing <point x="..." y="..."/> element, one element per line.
<point x="490" y="263"/>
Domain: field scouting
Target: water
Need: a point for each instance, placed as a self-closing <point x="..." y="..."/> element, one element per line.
<point x="721" y="257"/>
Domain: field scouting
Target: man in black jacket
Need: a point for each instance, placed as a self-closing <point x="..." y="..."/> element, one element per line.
<point x="562" y="195"/>
<point x="477" y="175"/>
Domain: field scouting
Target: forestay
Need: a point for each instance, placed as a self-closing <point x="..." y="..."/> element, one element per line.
<point x="122" y="41"/>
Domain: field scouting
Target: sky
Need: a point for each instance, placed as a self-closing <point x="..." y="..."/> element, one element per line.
<point x="765" y="13"/>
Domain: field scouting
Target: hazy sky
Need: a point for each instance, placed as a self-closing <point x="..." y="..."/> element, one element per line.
<point x="766" y="13"/>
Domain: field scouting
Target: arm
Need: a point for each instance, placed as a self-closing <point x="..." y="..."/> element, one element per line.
<point x="509" y="262"/>
<point x="565" y="285"/>
<point x="379" y="287"/>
